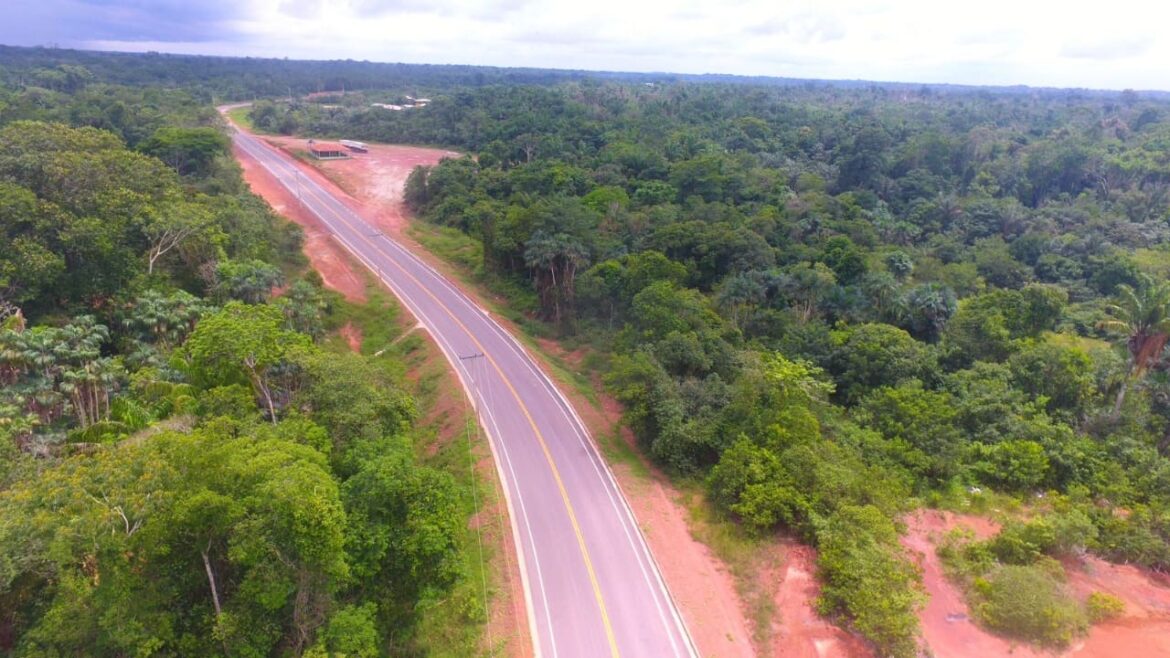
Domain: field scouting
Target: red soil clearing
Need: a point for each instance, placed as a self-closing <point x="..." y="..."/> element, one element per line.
<point x="375" y="179"/>
<point x="325" y="255"/>
<point x="801" y="632"/>
<point x="352" y="335"/>
<point x="947" y="627"/>
<point x="1143" y="630"/>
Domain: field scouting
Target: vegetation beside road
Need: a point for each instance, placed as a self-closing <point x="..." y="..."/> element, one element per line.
<point x="827" y="304"/>
<point x="189" y="463"/>
<point x="834" y="305"/>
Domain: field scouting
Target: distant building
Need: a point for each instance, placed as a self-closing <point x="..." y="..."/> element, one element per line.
<point x="357" y="147"/>
<point x="327" y="151"/>
<point x="388" y="106"/>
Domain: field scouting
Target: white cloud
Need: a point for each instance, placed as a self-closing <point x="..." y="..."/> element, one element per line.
<point x="992" y="42"/>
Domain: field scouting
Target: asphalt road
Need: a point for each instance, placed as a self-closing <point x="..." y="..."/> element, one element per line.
<point x="591" y="586"/>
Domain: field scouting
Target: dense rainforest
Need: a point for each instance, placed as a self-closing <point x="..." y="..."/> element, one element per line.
<point x="829" y="304"/>
<point x="834" y="305"/>
<point x="187" y="466"/>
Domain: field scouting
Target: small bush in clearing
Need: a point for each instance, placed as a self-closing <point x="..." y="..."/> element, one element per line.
<point x="1028" y="602"/>
<point x="1103" y="607"/>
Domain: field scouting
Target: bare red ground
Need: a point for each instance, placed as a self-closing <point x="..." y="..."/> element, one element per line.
<point x="325" y="255"/>
<point x="352" y="335"/>
<point x="1142" y="631"/>
<point x="947" y="628"/>
<point x="800" y="631"/>
<point x="374" y="180"/>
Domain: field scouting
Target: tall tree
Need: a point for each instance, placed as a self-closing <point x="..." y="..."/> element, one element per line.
<point x="1142" y="316"/>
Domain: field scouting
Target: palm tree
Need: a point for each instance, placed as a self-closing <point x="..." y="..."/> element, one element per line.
<point x="165" y="320"/>
<point x="1142" y="316"/>
<point x="555" y="261"/>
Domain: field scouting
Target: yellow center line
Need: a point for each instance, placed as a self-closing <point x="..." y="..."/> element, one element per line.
<point x="527" y="415"/>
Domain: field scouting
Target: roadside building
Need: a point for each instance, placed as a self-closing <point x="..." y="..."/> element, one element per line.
<point x="327" y="151"/>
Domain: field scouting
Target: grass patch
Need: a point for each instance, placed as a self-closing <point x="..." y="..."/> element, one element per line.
<point x="961" y="499"/>
<point x="377" y="318"/>
<point x="618" y="451"/>
<point x="240" y="116"/>
<point x="1153" y="261"/>
<point x="451" y="245"/>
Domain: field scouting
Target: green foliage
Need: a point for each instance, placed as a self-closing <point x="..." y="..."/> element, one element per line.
<point x="163" y="515"/>
<point x="1141" y="537"/>
<point x="247" y="281"/>
<point x="243" y="344"/>
<point x="1102" y="606"/>
<point x="266" y="514"/>
<point x="869" y="356"/>
<point x="1016" y="466"/>
<point x="1028" y="602"/>
<point x="81" y="217"/>
<point x="189" y="151"/>
<point x="866" y="576"/>
<point x="353" y="632"/>
<point x="1062" y="377"/>
<point x="750" y="253"/>
<point x="751" y="482"/>
<point x="987" y="326"/>
<point x="923" y="421"/>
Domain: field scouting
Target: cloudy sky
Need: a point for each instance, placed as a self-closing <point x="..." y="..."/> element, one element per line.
<point x="1071" y="43"/>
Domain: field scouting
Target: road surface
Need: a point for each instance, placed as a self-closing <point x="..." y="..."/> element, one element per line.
<point x="591" y="586"/>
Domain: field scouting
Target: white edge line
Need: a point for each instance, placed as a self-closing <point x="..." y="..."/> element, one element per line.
<point x="516" y="538"/>
<point x="595" y="457"/>
<point x="632" y="519"/>
<point x="530" y="608"/>
<point x="580" y="429"/>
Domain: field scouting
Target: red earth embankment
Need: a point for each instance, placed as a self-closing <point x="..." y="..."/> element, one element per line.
<point x="1142" y="631"/>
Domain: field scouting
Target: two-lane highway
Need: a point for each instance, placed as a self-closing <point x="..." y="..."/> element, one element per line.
<point x="591" y="586"/>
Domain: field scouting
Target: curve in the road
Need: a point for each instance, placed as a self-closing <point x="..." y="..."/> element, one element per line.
<point x="591" y="586"/>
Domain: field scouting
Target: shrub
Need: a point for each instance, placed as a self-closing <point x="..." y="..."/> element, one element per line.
<point x="866" y="575"/>
<point x="1103" y="607"/>
<point x="1029" y="603"/>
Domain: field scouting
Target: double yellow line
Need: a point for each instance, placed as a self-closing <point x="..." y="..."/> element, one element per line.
<point x="523" y="408"/>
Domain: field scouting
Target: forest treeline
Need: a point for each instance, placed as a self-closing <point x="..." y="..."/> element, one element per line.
<point x="830" y="305"/>
<point x="836" y="305"/>
<point x="187" y="468"/>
